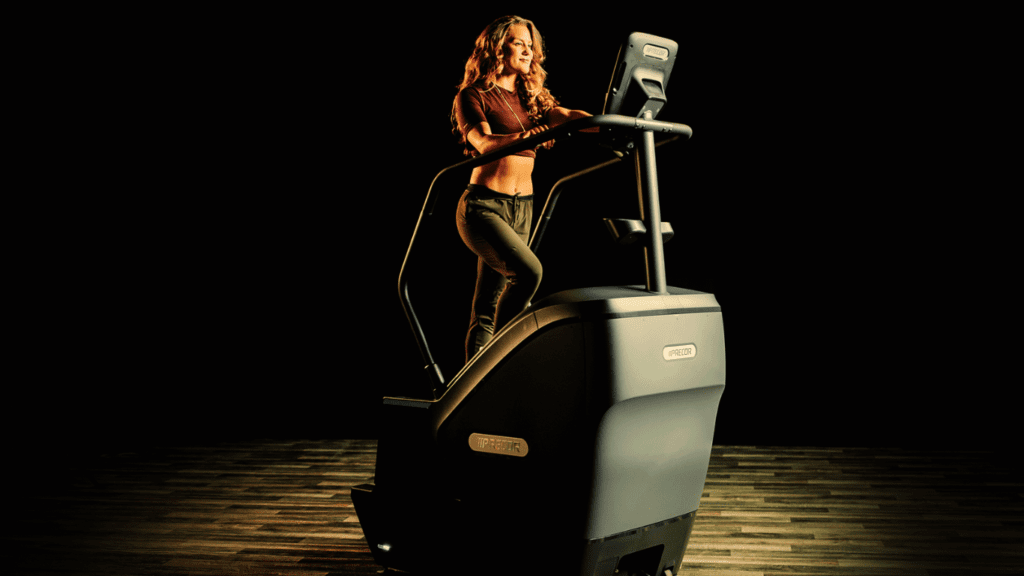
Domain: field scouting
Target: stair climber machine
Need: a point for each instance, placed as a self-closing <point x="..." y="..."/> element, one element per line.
<point x="577" y="441"/>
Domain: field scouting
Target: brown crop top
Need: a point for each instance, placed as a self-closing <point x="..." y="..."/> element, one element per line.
<point x="498" y="107"/>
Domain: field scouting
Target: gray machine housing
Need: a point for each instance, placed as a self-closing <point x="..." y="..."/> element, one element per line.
<point x="613" y="393"/>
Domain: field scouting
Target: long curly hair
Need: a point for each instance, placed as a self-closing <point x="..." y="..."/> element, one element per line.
<point x="487" y="62"/>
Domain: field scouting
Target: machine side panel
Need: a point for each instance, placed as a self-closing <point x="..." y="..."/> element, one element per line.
<point x="662" y="377"/>
<point x="536" y="400"/>
<point x="652" y="459"/>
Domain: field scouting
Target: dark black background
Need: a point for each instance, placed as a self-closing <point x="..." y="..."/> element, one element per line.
<point x="225" y="200"/>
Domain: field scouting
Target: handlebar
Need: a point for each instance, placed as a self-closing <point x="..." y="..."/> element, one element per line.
<point x="569" y="128"/>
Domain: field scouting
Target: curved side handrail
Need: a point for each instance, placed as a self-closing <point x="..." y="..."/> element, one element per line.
<point x="567" y="129"/>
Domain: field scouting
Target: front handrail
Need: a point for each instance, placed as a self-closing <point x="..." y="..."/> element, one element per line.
<point x="566" y="129"/>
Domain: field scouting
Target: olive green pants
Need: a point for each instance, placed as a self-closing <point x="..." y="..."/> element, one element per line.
<point x="496" y="227"/>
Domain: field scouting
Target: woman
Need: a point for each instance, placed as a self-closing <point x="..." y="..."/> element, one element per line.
<point x="502" y="99"/>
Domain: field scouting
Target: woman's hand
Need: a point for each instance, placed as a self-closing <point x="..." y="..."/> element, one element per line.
<point x="537" y="130"/>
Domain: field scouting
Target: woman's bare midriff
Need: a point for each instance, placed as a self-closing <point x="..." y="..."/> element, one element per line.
<point x="509" y="175"/>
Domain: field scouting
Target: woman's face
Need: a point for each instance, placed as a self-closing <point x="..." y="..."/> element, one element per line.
<point x="518" y="49"/>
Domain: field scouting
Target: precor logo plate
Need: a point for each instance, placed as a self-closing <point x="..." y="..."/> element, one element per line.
<point x="652" y="51"/>
<point x="504" y="445"/>
<point x="679" y="352"/>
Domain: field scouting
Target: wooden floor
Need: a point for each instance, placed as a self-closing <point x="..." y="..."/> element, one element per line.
<point x="273" y="507"/>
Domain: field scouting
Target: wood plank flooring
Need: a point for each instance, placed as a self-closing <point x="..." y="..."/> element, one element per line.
<point x="857" y="511"/>
<point x="283" y="508"/>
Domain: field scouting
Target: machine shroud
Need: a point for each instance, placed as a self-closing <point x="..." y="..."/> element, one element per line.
<point x="612" y="393"/>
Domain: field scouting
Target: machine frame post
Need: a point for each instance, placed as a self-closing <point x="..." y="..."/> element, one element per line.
<point x="650" y="211"/>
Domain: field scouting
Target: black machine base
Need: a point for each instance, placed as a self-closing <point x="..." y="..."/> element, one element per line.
<point x="424" y="535"/>
<point x="647" y="550"/>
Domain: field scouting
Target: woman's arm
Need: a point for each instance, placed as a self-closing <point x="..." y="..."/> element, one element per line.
<point x="560" y="115"/>
<point x="481" y="138"/>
